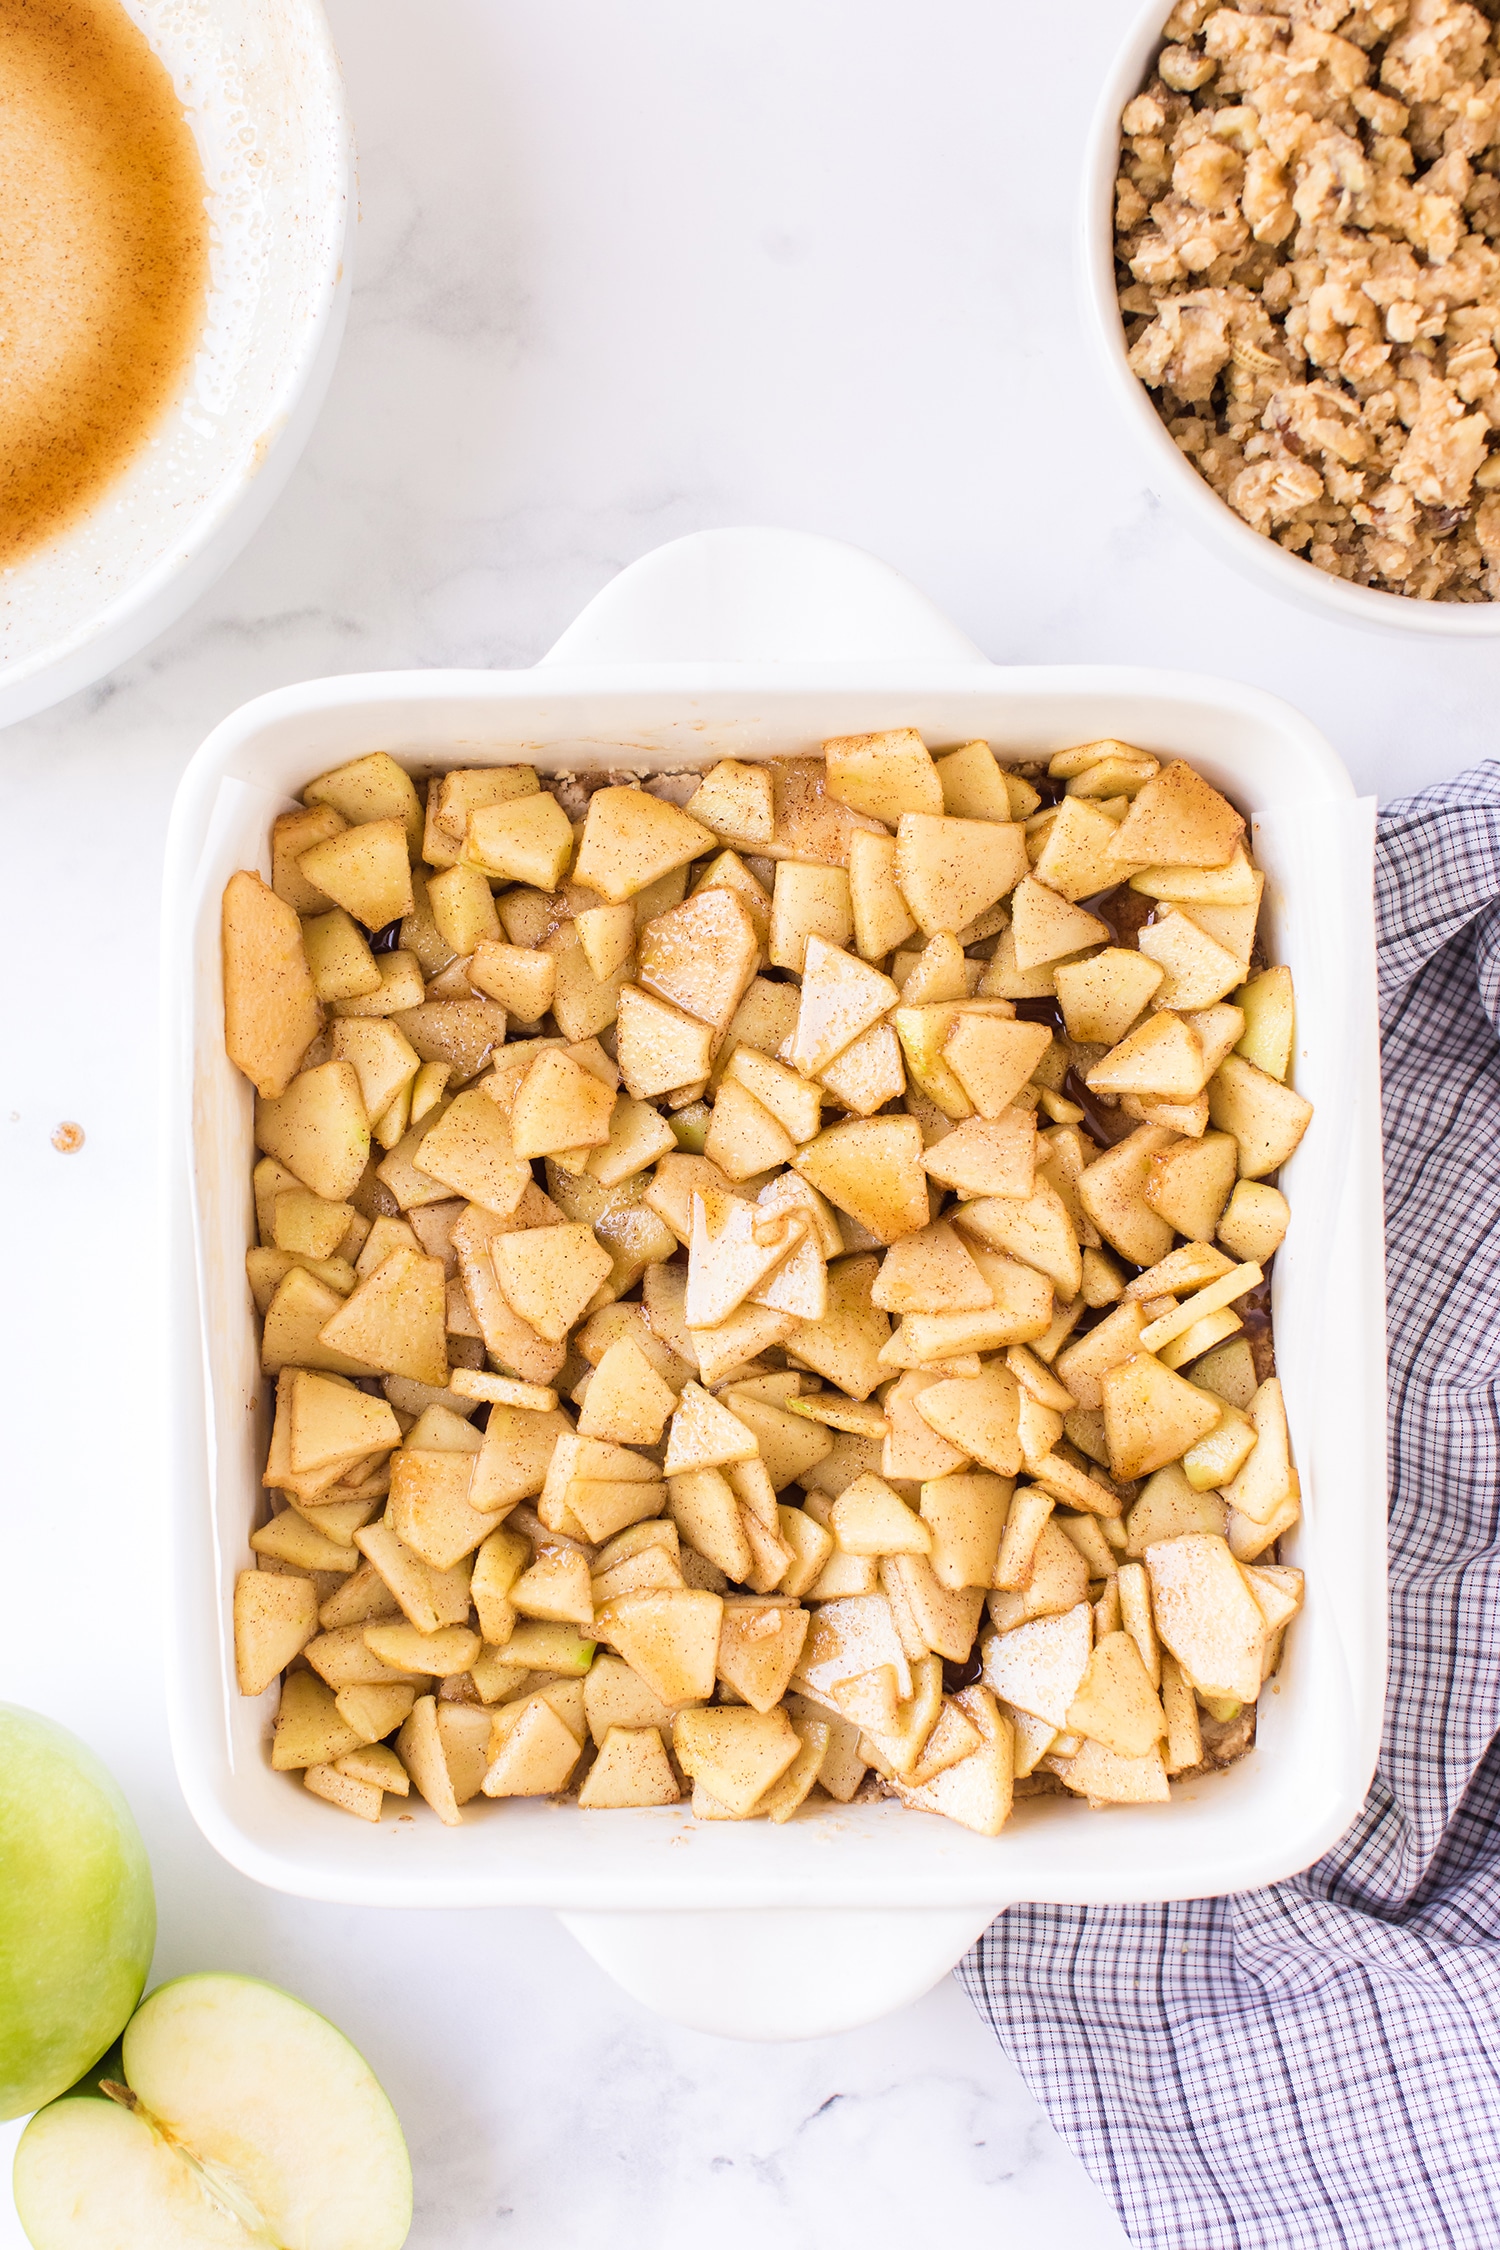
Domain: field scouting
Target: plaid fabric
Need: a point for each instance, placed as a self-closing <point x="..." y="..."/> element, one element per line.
<point x="1319" y="2063"/>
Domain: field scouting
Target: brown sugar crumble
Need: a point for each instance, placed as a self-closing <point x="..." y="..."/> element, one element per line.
<point x="1307" y="237"/>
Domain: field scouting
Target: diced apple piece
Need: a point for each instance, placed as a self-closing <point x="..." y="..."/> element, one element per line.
<point x="734" y="799"/>
<point x="439" y="1655"/>
<point x="883" y="775"/>
<point x="930" y="1272"/>
<point x="1270" y="1021"/>
<point x="976" y="1791"/>
<point x="535" y="1758"/>
<point x="974" y="785"/>
<point x="1152" y="1416"/>
<point x="638" y="1136"/>
<point x="372" y="788"/>
<point x="1025" y="1522"/>
<point x="789" y="1446"/>
<point x="1184" y="1745"/>
<point x="1197" y="968"/>
<point x="726" y="1260"/>
<point x="785" y="1093"/>
<point x="304" y="1222"/>
<point x="1106" y="1777"/>
<point x="1162" y="1057"/>
<point x="309" y="1730"/>
<point x="1102" y="997"/>
<point x="808" y="902"/>
<point x="660" y="1047"/>
<point x="871" y="1168"/>
<point x="1112" y="1192"/>
<point x="870" y="1519"/>
<point x="366" y="870"/>
<point x="841" y="998"/>
<point x="300" y="1307"/>
<point x="556" y="1588"/>
<point x="966" y="1516"/>
<point x="275" y="1616"/>
<point x="1168" y="1508"/>
<point x="548" y="1275"/>
<point x="700" y="956"/>
<point x="528" y="840"/>
<point x="1049" y="927"/>
<point x="703" y="1505"/>
<point x="271" y="1012"/>
<point x="1207" y="1615"/>
<point x="429" y="1599"/>
<point x="627" y="1402"/>
<point x="946" y="1618"/>
<point x="1041" y="1666"/>
<point x="292" y="834"/>
<point x="1179" y="820"/>
<point x="607" y="937"/>
<point x="671" y="1639"/>
<point x="395" y="1319"/>
<point x="396" y="989"/>
<point x="1116" y="1703"/>
<point x="882" y="919"/>
<point x="760" y="1643"/>
<point x="1035" y="1229"/>
<point x="631" y="840"/>
<point x="1189" y="1185"/>
<point x="631" y="1769"/>
<point x="1221" y="1291"/>
<point x="979" y="1417"/>
<point x="992" y="1059"/>
<point x="1233" y="884"/>
<point x="559" y="1106"/>
<point x="543" y="1647"/>
<point x="987" y="1156"/>
<point x="452" y="797"/>
<point x="1059" y="1582"/>
<point x="430" y="1507"/>
<point x="1266" y="1118"/>
<point x="1077" y="859"/>
<point x="520" y="980"/>
<point x="734" y="1753"/>
<point x="383" y="1059"/>
<point x="705" y="1435"/>
<point x="1255" y="1220"/>
<point x="951" y="870"/>
<point x="375" y="1709"/>
<point x="470" y="1152"/>
<point x="744" y="1137"/>
<point x="850" y="1636"/>
<point x="461" y="905"/>
<point x="1267" y="1479"/>
<point x="330" y="1421"/>
<point x="317" y="1128"/>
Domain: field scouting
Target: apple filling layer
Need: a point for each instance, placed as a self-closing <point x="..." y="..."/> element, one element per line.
<point x="764" y="1275"/>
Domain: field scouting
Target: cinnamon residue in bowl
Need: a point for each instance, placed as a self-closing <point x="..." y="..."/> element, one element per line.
<point x="103" y="256"/>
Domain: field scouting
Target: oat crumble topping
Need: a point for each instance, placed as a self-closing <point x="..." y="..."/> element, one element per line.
<point x="1308" y="254"/>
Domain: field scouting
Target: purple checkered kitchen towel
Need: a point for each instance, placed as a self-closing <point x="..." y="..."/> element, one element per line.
<point x="1318" y="2063"/>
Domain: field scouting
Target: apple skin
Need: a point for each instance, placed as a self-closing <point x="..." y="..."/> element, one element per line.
<point x="77" y="1911"/>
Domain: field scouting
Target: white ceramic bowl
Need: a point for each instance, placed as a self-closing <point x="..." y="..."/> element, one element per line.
<point x="1213" y="518"/>
<point x="762" y="644"/>
<point x="260" y="82"/>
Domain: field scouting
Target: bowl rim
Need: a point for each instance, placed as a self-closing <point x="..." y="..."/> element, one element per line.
<point x="1289" y="575"/>
<point x="126" y="620"/>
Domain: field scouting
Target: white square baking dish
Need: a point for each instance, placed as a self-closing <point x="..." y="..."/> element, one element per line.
<point x="761" y="644"/>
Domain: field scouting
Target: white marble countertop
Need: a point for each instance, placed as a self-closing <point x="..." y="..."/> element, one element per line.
<point x="622" y="273"/>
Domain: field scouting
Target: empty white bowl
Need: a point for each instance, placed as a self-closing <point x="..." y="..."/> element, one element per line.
<point x="1252" y="551"/>
<point x="260" y="83"/>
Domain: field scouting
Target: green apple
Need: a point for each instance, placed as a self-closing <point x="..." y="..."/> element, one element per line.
<point x="240" y="2118"/>
<point x="77" y="1915"/>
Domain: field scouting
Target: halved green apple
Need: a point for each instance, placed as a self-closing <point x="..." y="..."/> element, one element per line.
<point x="235" y="2116"/>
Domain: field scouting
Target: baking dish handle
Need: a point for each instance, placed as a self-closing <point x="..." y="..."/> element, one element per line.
<point x="779" y="1972"/>
<point x="760" y="596"/>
